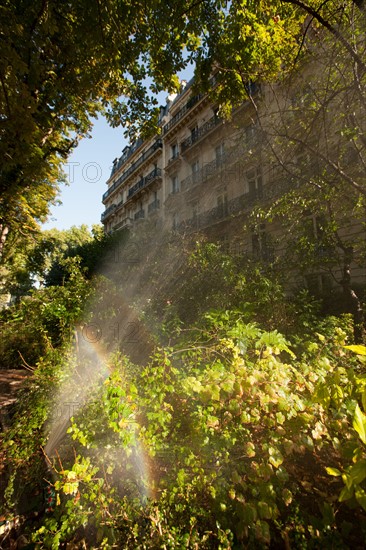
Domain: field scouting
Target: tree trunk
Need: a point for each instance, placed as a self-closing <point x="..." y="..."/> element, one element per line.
<point x="4" y="230"/>
<point x="352" y="300"/>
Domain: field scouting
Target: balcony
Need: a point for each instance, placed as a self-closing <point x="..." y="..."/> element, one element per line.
<point x="125" y="223"/>
<point x="172" y="159"/>
<point x="182" y="112"/>
<point x="193" y="179"/>
<point x="203" y="173"/>
<point x="153" y="206"/>
<point x="139" y="215"/>
<point x="139" y="185"/>
<point x="146" y="155"/>
<point x="119" y="204"/>
<point x="188" y="106"/>
<point x="144" y="182"/>
<point x="201" y="132"/>
<point x="210" y="169"/>
<point x="220" y="212"/>
<point x="108" y="212"/>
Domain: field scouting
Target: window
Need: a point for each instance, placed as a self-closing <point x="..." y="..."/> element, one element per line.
<point x="302" y="97"/>
<point x="219" y="153"/>
<point x="254" y="183"/>
<point x="194" y="132"/>
<point x="250" y="133"/>
<point x="224" y="244"/>
<point x="174" y="151"/>
<point x="222" y="205"/>
<point x="302" y="160"/>
<point x="237" y="248"/>
<point x="175" y="184"/>
<point x="315" y="231"/>
<point x="318" y="283"/>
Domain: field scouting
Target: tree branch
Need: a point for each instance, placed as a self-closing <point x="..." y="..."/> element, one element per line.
<point x="316" y="15"/>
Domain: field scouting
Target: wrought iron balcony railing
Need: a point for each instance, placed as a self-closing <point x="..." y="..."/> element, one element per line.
<point x="182" y="112"/>
<point x="108" y="212"/>
<point x="198" y="134"/>
<point x="220" y="212"/>
<point x="134" y="166"/>
<point x="210" y="169"/>
<point x="144" y="182"/>
<point x="188" y="106"/>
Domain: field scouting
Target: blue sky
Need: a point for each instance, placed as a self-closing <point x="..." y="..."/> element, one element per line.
<point x="88" y="169"/>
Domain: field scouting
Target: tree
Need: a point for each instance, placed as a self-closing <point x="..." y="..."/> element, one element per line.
<point x="60" y="65"/>
<point x="316" y="152"/>
<point x="63" y="63"/>
<point x="39" y="260"/>
<point x="90" y="247"/>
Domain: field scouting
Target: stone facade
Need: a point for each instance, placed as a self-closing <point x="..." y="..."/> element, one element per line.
<point x="206" y="174"/>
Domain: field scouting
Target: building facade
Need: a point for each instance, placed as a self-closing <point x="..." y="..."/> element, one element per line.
<point x="199" y="172"/>
<point x="202" y="173"/>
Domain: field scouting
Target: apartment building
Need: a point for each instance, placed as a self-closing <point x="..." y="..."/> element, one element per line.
<point x="135" y="185"/>
<point x="200" y="172"/>
<point x="204" y="174"/>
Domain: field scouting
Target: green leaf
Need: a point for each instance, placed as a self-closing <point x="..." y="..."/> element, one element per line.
<point x="249" y="449"/>
<point x="263" y="531"/>
<point x="264" y="510"/>
<point x="345" y="494"/>
<point x="358" y="472"/>
<point x="333" y="471"/>
<point x="280" y="418"/>
<point x="360" y="350"/>
<point x="360" y="495"/>
<point x="275" y="457"/>
<point x="248" y="513"/>
<point x="359" y="424"/>
<point x="327" y="513"/>
<point x="287" y="496"/>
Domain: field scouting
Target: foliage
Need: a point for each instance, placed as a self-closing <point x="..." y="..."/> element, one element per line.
<point x="42" y="320"/>
<point x="92" y="251"/>
<point x="191" y="278"/>
<point x="63" y="64"/>
<point x="312" y="125"/>
<point x="247" y="425"/>
<point x="220" y="441"/>
<point x="354" y="475"/>
<point x="32" y="262"/>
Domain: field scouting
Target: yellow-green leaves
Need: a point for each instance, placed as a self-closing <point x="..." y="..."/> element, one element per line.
<point x="359" y="424"/>
<point x="359" y="349"/>
<point x="333" y="471"/>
